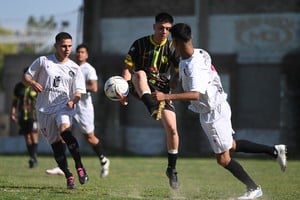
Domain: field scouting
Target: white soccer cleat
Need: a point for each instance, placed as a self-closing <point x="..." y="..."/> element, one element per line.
<point x="281" y="156"/>
<point x="252" y="194"/>
<point x="105" y="169"/>
<point x="55" y="171"/>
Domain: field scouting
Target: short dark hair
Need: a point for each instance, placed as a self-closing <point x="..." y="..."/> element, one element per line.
<point x="62" y="36"/>
<point x="163" y="17"/>
<point x="181" y="31"/>
<point x="80" y="46"/>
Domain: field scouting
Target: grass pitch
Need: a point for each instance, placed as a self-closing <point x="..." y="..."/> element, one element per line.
<point x="144" y="178"/>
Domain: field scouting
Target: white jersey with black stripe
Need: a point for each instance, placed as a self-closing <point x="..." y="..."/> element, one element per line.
<point x="59" y="80"/>
<point x="198" y="74"/>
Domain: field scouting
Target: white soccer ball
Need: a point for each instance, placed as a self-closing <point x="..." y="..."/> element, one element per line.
<point x="114" y="85"/>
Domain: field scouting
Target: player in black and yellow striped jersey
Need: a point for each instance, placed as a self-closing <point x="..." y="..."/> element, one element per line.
<point x="152" y="64"/>
<point x="23" y="113"/>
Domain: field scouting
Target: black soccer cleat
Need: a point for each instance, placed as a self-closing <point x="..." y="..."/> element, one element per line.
<point x="32" y="163"/>
<point x="173" y="179"/>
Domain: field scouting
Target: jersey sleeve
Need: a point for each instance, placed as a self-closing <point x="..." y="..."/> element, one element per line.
<point x="79" y="83"/>
<point x="35" y="67"/>
<point x="92" y="75"/>
<point x="132" y="55"/>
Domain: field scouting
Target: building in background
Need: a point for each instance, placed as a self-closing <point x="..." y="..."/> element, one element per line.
<point x="254" y="45"/>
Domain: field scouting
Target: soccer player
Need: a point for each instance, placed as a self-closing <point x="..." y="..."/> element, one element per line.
<point x="202" y="87"/>
<point x="23" y="113"/>
<point x="59" y="83"/>
<point x="85" y="110"/>
<point x="148" y="66"/>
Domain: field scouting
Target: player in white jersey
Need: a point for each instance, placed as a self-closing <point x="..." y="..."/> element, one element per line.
<point x="202" y="87"/>
<point x="85" y="110"/>
<point x="59" y="83"/>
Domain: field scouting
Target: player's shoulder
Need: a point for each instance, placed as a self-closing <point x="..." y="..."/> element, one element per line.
<point x="87" y="66"/>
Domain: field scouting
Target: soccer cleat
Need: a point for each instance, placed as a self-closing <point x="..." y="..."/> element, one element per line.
<point x="82" y="175"/>
<point x="105" y="169"/>
<point x="281" y="156"/>
<point x="70" y="182"/>
<point x="32" y="163"/>
<point x="252" y="194"/>
<point x="55" y="171"/>
<point x="173" y="180"/>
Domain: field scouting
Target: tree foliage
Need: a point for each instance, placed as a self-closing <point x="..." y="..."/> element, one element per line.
<point x="41" y="23"/>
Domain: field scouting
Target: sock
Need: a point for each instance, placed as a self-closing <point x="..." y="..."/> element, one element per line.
<point x="172" y="158"/>
<point x="34" y="151"/>
<point x="99" y="151"/>
<point x="238" y="171"/>
<point x="60" y="157"/>
<point x="149" y="102"/>
<point x="73" y="147"/>
<point x="251" y="147"/>
<point x="30" y="150"/>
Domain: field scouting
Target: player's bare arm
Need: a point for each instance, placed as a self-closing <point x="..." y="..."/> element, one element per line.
<point x="74" y="100"/>
<point x="186" y="96"/>
<point x="127" y="76"/>
<point x="27" y="80"/>
<point x="91" y="86"/>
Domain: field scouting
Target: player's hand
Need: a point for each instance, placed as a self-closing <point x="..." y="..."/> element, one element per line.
<point x="14" y="118"/>
<point x="123" y="99"/>
<point x="36" y="86"/>
<point x="158" y="96"/>
<point x="70" y="104"/>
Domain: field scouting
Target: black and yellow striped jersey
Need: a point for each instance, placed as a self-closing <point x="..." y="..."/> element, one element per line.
<point x="157" y="60"/>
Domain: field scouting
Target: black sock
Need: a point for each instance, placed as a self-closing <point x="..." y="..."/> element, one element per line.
<point x="99" y="151"/>
<point x="30" y="150"/>
<point x="172" y="158"/>
<point x="149" y="102"/>
<point x="34" y="151"/>
<point x="238" y="171"/>
<point x="251" y="147"/>
<point x="60" y="157"/>
<point x="73" y="147"/>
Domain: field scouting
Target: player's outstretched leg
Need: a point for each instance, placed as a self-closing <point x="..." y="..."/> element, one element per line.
<point x="278" y="151"/>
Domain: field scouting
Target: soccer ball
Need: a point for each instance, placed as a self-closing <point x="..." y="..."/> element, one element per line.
<point x="114" y="85"/>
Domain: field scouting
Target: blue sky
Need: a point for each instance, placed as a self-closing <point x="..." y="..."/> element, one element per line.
<point x="14" y="13"/>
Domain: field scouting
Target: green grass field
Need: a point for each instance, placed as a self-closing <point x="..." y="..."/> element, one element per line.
<point x="144" y="178"/>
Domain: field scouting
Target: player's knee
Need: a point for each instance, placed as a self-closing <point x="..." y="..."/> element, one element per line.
<point x="223" y="161"/>
<point x="139" y="75"/>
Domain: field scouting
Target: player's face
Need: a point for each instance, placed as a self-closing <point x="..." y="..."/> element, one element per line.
<point x="161" y="31"/>
<point x="63" y="48"/>
<point x="81" y="55"/>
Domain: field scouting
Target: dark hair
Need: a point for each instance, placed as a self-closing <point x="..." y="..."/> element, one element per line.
<point x="80" y="46"/>
<point x="163" y="17"/>
<point x="62" y="36"/>
<point x="181" y="31"/>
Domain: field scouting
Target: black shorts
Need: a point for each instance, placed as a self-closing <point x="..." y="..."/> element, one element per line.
<point x="27" y="126"/>
<point x="169" y="104"/>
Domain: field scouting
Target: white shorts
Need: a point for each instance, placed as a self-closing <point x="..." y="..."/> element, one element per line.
<point x="85" y="120"/>
<point x="217" y="127"/>
<point x="49" y="124"/>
